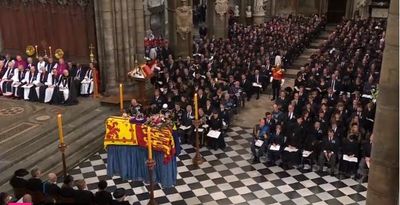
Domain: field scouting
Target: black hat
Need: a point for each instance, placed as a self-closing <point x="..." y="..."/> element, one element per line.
<point x="21" y="172"/>
<point x="119" y="193"/>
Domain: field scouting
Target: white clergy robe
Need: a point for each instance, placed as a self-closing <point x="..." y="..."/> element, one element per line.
<point x="64" y="88"/>
<point x="87" y="83"/>
<point x="6" y="78"/>
<point x="28" y="80"/>
<point x="51" y="84"/>
<point x="17" y="81"/>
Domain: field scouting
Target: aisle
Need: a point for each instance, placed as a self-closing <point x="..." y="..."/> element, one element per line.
<point x="229" y="178"/>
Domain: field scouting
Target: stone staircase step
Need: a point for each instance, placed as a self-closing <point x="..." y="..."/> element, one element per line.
<point x="304" y="58"/>
<point x="291" y="73"/>
<point x="46" y="157"/>
<point x="310" y="51"/>
<point x="42" y="139"/>
<point x="23" y="140"/>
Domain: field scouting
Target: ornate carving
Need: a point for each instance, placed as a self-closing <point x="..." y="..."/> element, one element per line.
<point x="221" y="7"/>
<point x="82" y="3"/>
<point x="184" y="19"/>
<point x="62" y="2"/>
<point x="27" y="1"/>
<point x="259" y="6"/>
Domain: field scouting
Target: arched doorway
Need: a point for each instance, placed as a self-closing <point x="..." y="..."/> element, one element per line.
<point x="336" y="10"/>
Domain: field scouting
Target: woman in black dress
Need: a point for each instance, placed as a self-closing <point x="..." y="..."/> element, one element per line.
<point x="215" y="123"/>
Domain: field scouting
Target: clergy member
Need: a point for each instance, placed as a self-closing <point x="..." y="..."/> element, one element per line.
<point x="87" y="82"/>
<point x="19" y="76"/>
<point x="29" y="86"/>
<point x="51" y="86"/>
<point x="7" y="78"/>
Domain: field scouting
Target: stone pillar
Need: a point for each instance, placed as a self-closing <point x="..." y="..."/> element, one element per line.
<point x="273" y="7"/>
<point x="180" y="36"/>
<point x="383" y="183"/>
<point x="349" y="9"/>
<point x="217" y="14"/>
<point x="259" y="12"/>
<point x="243" y="6"/>
<point x="268" y="10"/>
<point x="120" y="37"/>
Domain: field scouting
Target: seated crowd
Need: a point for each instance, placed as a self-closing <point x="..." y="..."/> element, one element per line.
<point x="224" y="72"/>
<point x="33" y="190"/>
<point x="45" y="80"/>
<point x="327" y="118"/>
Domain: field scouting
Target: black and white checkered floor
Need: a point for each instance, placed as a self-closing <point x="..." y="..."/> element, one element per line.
<point x="228" y="177"/>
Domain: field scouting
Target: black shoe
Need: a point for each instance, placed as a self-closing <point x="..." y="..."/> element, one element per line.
<point x="270" y="164"/>
<point x="364" y="179"/>
<point x="256" y="160"/>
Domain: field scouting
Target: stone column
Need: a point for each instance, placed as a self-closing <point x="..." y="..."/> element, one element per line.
<point x="383" y="183"/>
<point x="243" y="6"/>
<point x="217" y="12"/>
<point x="259" y="12"/>
<point x="273" y="7"/>
<point x="268" y="10"/>
<point x="181" y="42"/>
<point x="120" y="37"/>
<point x="349" y="9"/>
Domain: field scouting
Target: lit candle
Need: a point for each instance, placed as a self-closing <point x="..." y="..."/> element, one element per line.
<point x="50" y="52"/>
<point x="196" y="107"/>
<point x="60" y="130"/>
<point x="149" y="147"/>
<point x="121" y="97"/>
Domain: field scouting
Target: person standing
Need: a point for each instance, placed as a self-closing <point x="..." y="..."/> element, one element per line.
<point x="277" y="80"/>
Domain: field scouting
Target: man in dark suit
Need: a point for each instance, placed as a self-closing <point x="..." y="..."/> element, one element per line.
<point x="335" y="84"/>
<point x="157" y="101"/>
<point x="50" y="187"/>
<point x="329" y="151"/>
<point x="257" y="79"/>
<point x="289" y="117"/>
<point x="67" y="189"/>
<point x="291" y="153"/>
<point x="246" y="85"/>
<point x="187" y="118"/>
<point x="18" y="183"/>
<point x="83" y="196"/>
<point x="35" y="183"/>
<point x="332" y="97"/>
<point x="103" y="197"/>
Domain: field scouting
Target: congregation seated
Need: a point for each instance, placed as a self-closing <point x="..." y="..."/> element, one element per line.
<point x="36" y="191"/>
<point x="328" y="116"/>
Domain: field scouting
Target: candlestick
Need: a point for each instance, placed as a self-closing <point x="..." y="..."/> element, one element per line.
<point x="149" y="147"/>
<point x="60" y="130"/>
<point x="121" y="98"/>
<point x="36" y="51"/>
<point x="196" y="107"/>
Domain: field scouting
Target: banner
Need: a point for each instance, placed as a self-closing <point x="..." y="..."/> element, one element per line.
<point x="119" y="131"/>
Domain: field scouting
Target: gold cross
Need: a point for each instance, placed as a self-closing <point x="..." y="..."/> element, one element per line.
<point x="91" y="47"/>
